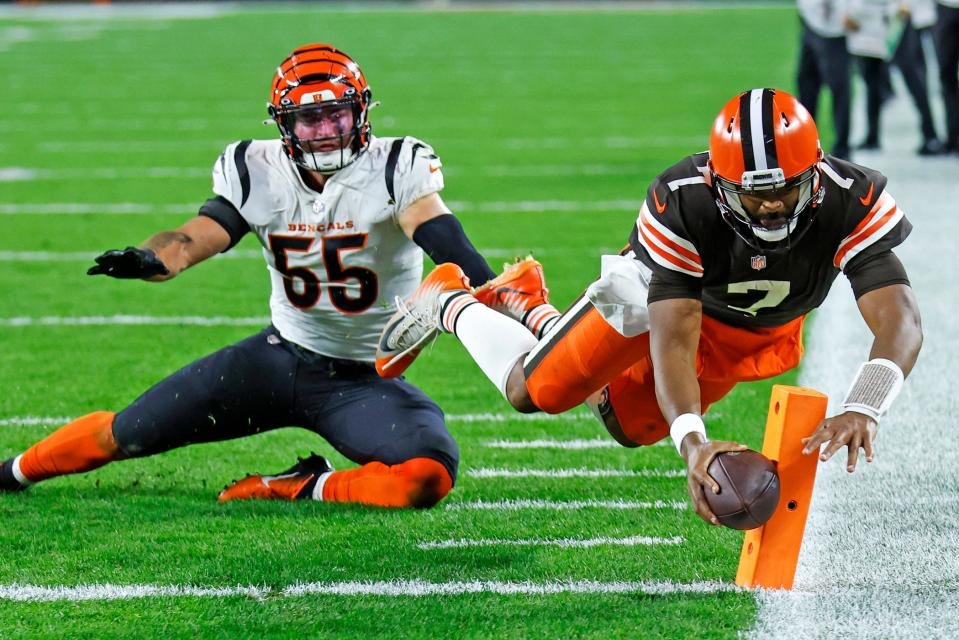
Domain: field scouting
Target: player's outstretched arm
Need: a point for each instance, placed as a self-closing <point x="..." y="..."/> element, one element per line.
<point x="892" y="315"/>
<point x="674" y="338"/>
<point x="164" y="255"/>
<point x="429" y="223"/>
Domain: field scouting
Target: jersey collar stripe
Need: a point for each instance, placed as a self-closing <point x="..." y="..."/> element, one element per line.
<point x="647" y="219"/>
<point x="845" y="183"/>
<point x="682" y="182"/>
<point x="671" y="250"/>
<point x="665" y="259"/>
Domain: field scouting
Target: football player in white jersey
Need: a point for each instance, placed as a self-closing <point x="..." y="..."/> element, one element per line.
<point x="343" y="218"/>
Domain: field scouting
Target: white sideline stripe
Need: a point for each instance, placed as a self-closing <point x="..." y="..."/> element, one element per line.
<point x="202" y="321"/>
<point x="562" y="505"/>
<point x="593" y="443"/>
<point x="576" y="473"/>
<point x="140" y="208"/>
<point x="631" y="541"/>
<point x="877" y="559"/>
<point x="388" y="588"/>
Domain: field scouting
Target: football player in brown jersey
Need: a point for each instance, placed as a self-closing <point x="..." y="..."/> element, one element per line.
<point x="731" y="249"/>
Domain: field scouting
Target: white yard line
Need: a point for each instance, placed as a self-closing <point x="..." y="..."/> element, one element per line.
<point x="452" y="417"/>
<point x="880" y="557"/>
<point x="87" y="256"/>
<point x="201" y="321"/>
<point x="140" y="208"/>
<point x="519" y="417"/>
<point x="257" y="254"/>
<point x="566" y="543"/>
<point x="592" y="443"/>
<point x="575" y="473"/>
<point x="386" y="588"/>
<point x="33" y="421"/>
<point x="88" y="208"/>
<point x="26" y="174"/>
<point x="562" y="505"/>
<point x="109" y="12"/>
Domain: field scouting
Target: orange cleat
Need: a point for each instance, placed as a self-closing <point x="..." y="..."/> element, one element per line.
<point x="517" y="292"/>
<point x="416" y="322"/>
<point x="296" y="483"/>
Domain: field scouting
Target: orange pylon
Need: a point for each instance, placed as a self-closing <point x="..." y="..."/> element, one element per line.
<point x="770" y="553"/>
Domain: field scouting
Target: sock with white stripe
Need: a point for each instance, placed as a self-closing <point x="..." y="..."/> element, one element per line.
<point x="495" y="341"/>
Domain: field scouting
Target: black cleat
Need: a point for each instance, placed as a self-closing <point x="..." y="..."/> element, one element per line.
<point x="8" y="482"/>
<point x="296" y="483"/>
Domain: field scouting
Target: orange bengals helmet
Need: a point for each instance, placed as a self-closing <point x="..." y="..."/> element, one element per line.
<point x="765" y="141"/>
<point x="314" y="79"/>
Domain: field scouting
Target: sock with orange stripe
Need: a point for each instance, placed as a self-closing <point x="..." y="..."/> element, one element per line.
<point x="540" y="319"/>
<point x="495" y="341"/>
<point x="82" y="445"/>
<point x="418" y="482"/>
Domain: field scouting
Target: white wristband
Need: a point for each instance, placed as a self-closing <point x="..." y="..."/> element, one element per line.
<point x="876" y="385"/>
<point x="683" y="426"/>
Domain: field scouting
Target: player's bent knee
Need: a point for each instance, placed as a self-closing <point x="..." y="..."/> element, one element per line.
<point x="555" y="398"/>
<point x="428" y="482"/>
<point x="135" y="439"/>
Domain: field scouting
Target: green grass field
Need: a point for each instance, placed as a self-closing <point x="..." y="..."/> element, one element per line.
<point x="526" y="107"/>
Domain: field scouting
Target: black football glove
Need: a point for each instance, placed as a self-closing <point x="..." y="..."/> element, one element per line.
<point x="128" y="263"/>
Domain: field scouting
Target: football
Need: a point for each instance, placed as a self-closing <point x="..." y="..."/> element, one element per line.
<point x="748" y="489"/>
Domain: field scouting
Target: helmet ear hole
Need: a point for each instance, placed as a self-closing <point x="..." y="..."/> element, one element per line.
<point x="729" y="127"/>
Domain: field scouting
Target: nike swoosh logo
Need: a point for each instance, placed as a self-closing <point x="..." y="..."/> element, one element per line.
<point x="659" y="207"/>
<point x="511" y="290"/>
<point x="866" y="200"/>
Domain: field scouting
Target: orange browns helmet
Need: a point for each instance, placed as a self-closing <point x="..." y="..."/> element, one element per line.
<point x="765" y="141"/>
<point x="319" y="77"/>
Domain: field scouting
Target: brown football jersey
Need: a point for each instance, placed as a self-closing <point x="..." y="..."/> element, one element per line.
<point x="681" y="235"/>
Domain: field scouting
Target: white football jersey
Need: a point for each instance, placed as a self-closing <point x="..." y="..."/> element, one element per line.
<point x="337" y="259"/>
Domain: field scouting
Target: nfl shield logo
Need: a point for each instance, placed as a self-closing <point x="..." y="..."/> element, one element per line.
<point x="319" y="207"/>
<point x="757" y="262"/>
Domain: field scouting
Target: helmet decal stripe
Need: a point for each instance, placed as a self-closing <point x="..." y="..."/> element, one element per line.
<point x="745" y="131"/>
<point x="757" y="106"/>
<point x="769" y="131"/>
<point x="756" y="130"/>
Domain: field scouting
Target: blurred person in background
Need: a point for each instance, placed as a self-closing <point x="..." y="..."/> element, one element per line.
<point x="918" y="17"/>
<point x="946" y="35"/>
<point x="869" y="25"/>
<point x="824" y="59"/>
